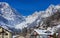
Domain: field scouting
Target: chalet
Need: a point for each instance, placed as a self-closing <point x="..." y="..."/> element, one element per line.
<point x="37" y="33"/>
<point x="4" y="33"/>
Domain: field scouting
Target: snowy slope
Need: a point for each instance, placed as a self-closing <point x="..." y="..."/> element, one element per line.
<point x="38" y="17"/>
<point x="9" y="17"/>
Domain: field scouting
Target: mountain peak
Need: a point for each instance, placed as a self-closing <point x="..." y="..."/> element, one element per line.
<point x="3" y="4"/>
<point x="51" y="6"/>
<point x="9" y="14"/>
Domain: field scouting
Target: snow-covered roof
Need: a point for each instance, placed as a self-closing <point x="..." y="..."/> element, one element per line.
<point x="43" y="32"/>
<point x="40" y="31"/>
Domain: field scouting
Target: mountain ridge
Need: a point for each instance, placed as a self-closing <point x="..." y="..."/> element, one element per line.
<point x="10" y="18"/>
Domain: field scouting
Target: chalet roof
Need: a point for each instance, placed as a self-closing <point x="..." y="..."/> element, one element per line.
<point x="4" y="27"/>
<point x="40" y="31"/>
<point x="48" y="32"/>
<point x="43" y="32"/>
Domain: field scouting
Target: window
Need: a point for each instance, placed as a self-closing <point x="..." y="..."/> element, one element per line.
<point x="5" y="33"/>
<point x="0" y="33"/>
<point x="0" y="27"/>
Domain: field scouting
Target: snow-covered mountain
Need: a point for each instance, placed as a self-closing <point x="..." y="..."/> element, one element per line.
<point x="9" y="17"/>
<point x="38" y="17"/>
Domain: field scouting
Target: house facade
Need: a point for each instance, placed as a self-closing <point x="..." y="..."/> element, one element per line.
<point x="5" y="33"/>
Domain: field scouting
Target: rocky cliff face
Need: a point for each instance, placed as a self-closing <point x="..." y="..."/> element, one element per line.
<point x="52" y="22"/>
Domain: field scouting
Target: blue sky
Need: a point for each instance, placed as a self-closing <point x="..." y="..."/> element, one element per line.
<point x="27" y="7"/>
